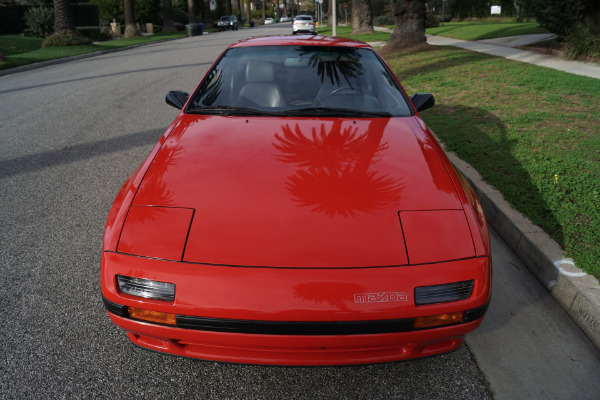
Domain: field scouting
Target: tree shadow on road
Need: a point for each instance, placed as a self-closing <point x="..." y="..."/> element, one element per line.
<point x="71" y="154"/>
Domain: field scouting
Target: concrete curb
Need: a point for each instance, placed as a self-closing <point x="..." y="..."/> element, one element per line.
<point x="577" y="292"/>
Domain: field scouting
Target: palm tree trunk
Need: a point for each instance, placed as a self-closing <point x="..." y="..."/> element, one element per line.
<point x="362" y="17"/>
<point x="168" y="22"/>
<point x="64" y="23"/>
<point x="249" y="10"/>
<point x="131" y="29"/>
<point x="206" y="15"/>
<point x="191" y="12"/>
<point x="409" y="30"/>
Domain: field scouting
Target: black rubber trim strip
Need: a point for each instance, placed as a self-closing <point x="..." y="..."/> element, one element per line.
<point x="316" y="328"/>
<point x="115" y="308"/>
<point x="475" y="313"/>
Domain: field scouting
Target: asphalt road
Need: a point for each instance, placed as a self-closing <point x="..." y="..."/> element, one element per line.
<point x="70" y="135"/>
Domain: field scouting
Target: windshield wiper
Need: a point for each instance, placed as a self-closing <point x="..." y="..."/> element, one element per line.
<point x="335" y="112"/>
<point x="229" y="110"/>
<point x="299" y="112"/>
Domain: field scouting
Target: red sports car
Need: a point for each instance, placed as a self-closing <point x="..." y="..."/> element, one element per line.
<point x="298" y="211"/>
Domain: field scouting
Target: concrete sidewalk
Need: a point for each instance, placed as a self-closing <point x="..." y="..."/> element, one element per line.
<point x="506" y="47"/>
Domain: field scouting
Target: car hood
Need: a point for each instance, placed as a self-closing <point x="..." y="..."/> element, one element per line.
<point x="297" y="192"/>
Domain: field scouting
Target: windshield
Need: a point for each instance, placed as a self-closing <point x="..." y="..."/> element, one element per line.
<point x="298" y="81"/>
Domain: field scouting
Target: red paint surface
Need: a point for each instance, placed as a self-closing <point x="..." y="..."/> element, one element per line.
<point x="158" y="232"/>
<point x="266" y="183"/>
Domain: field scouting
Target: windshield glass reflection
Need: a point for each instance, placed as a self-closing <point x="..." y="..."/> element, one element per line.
<point x="292" y="80"/>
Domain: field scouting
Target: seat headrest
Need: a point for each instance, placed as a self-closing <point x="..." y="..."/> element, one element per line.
<point x="259" y="72"/>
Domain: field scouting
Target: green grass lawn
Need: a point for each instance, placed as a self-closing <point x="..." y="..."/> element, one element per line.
<point x="531" y="132"/>
<point x="19" y="50"/>
<point x="457" y="30"/>
<point x="344" y="31"/>
<point x="485" y="30"/>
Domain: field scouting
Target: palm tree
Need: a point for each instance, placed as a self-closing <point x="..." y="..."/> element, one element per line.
<point x="168" y="22"/>
<point x="362" y="17"/>
<point x="65" y="32"/>
<point x="131" y="29"/>
<point x="206" y="17"/>
<point x="64" y="23"/>
<point x="191" y="12"/>
<point x="240" y="11"/>
<point x="409" y="30"/>
<point x="249" y="10"/>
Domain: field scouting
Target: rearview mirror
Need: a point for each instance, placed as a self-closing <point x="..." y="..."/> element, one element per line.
<point x="422" y="101"/>
<point x="177" y="98"/>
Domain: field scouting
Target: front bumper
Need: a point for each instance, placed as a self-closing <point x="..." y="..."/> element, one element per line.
<point x="294" y="349"/>
<point x="294" y="316"/>
<point x="303" y="29"/>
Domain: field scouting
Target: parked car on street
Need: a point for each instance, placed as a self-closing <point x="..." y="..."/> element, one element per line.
<point x="298" y="211"/>
<point x="285" y="18"/>
<point x="303" y="23"/>
<point x="227" y="22"/>
<point x="269" y="21"/>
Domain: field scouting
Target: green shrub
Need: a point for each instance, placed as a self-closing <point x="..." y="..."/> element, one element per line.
<point x="384" y="20"/>
<point x="584" y="40"/>
<point x="561" y="16"/>
<point x="94" y="34"/>
<point x="57" y="39"/>
<point x="86" y="14"/>
<point x="109" y="9"/>
<point x="180" y="15"/>
<point x="40" y="20"/>
<point x="432" y="20"/>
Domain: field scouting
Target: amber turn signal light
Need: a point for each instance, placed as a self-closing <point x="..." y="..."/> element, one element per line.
<point x="152" y="316"/>
<point x="432" y="321"/>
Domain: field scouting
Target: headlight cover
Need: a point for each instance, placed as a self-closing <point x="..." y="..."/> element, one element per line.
<point x="443" y="293"/>
<point x="146" y="288"/>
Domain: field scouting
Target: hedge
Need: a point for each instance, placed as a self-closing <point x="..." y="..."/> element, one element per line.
<point x="12" y="19"/>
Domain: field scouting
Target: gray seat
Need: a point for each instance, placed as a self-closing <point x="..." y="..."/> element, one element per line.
<point x="260" y="88"/>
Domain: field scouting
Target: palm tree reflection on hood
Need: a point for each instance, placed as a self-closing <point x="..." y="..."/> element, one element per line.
<point x="336" y="175"/>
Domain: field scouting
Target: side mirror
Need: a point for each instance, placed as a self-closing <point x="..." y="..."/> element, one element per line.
<point x="177" y="98"/>
<point x="422" y="101"/>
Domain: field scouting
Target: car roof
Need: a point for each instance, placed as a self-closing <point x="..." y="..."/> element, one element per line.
<point x="303" y="40"/>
